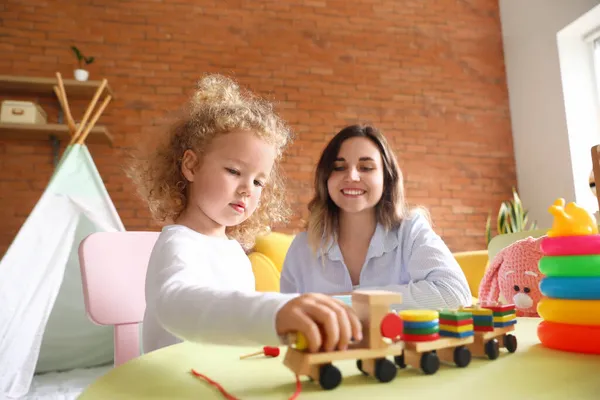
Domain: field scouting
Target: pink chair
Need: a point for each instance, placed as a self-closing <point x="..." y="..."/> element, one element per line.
<point x="113" y="271"/>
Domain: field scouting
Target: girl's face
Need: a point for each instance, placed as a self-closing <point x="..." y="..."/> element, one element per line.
<point x="356" y="182"/>
<point x="225" y="187"/>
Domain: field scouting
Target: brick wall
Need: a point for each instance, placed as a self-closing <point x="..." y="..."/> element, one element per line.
<point x="429" y="73"/>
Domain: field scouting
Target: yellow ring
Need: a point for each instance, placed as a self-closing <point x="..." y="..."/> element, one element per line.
<point x="419" y="315"/>
<point x="576" y="312"/>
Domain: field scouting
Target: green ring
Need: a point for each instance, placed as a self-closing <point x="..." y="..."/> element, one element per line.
<point x="584" y="265"/>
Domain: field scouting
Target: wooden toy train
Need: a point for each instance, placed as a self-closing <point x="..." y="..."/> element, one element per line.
<point x="419" y="338"/>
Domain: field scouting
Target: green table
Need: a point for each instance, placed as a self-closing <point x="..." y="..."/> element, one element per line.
<point x="533" y="372"/>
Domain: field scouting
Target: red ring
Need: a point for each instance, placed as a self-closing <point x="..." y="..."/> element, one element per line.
<point x="572" y="338"/>
<point x="570" y="245"/>
<point x="420" y="338"/>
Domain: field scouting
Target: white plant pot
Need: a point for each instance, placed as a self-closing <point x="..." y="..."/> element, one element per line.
<point x="81" y="75"/>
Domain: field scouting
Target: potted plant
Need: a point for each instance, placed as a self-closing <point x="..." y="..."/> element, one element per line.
<point x="512" y="217"/>
<point x="81" y="74"/>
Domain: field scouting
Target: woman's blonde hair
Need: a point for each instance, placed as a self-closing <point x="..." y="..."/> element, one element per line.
<point x="322" y="225"/>
<point x="218" y="106"/>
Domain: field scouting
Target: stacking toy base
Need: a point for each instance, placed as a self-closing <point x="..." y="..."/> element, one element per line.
<point x="571" y="338"/>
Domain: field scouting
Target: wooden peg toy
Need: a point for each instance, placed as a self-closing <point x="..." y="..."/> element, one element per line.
<point x="267" y="351"/>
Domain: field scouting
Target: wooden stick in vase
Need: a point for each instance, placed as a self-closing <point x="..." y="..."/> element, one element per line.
<point x="90" y="107"/>
<point x="84" y="134"/>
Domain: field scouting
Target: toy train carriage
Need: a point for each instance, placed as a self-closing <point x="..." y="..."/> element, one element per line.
<point x="492" y="321"/>
<point x="433" y="336"/>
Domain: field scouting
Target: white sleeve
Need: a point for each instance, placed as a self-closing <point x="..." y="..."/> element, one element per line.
<point x="436" y="279"/>
<point x="188" y="307"/>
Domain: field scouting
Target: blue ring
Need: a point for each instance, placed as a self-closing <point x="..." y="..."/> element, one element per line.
<point x="420" y="325"/>
<point x="572" y="288"/>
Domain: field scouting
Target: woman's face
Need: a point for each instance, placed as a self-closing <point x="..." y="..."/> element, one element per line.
<point x="356" y="182"/>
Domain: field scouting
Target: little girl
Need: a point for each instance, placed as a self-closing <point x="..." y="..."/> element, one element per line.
<point x="216" y="179"/>
<point x="362" y="235"/>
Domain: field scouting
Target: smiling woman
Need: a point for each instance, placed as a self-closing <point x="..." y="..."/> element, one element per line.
<point x="361" y="233"/>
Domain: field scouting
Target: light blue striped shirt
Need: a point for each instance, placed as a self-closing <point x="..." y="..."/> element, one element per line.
<point x="412" y="260"/>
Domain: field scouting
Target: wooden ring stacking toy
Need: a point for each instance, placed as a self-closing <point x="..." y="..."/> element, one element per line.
<point x="584" y="266"/>
<point x="570" y="245"/>
<point x="572" y="338"/>
<point x="572" y="288"/>
<point x="577" y="312"/>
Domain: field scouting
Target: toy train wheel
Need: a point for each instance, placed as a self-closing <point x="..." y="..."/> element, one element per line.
<point x="385" y="370"/>
<point x="399" y="360"/>
<point x="359" y="366"/>
<point x="492" y="349"/>
<point x="462" y="356"/>
<point x="430" y="363"/>
<point x="329" y="376"/>
<point x="510" y="342"/>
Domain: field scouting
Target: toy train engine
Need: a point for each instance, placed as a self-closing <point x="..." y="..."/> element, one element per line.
<point x="382" y="330"/>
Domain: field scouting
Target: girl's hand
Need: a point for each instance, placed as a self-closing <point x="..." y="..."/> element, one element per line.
<point x="324" y="321"/>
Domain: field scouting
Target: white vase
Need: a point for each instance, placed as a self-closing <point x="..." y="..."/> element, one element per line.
<point x="81" y="75"/>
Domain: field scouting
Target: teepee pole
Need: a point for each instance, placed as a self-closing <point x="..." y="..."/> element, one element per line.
<point x="66" y="107"/>
<point x="84" y="134"/>
<point x="90" y="107"/>
<point x="61" y="100"/>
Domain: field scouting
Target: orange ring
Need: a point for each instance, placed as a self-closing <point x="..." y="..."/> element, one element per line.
<point x="572" y="338"/>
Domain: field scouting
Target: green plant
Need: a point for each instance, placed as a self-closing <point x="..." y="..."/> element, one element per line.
<point x="81" y="59"/>
<point x="512" y="217"/>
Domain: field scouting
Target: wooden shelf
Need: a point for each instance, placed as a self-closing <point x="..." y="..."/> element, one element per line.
<point x="98" y="134"/>
<point x="44" y="86"/>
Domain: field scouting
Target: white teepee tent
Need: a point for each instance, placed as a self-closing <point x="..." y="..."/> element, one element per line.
<point x="43" y="324"/>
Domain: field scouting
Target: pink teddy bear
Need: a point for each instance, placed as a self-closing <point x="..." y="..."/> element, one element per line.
<point x="514" y="277"/>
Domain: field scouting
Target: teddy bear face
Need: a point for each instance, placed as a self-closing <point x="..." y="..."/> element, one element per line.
<point x="521" y="287"/>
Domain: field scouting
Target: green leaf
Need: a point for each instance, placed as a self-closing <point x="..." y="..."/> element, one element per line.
<point x="488" y="230"/>
<point x="77" y="53"/>
<point x="502" y="218"/>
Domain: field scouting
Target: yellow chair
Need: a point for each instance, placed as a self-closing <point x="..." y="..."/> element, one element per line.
<point x="267" y="259"/>
<point x="473" y="264"/>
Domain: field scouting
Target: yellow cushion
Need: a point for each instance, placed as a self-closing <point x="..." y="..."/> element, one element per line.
<point x="266" y="274"/>
<point x="473" y="264"/>
<point x="275" y="246"/>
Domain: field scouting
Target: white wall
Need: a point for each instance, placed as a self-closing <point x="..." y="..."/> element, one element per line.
<point x="544" y="164"/>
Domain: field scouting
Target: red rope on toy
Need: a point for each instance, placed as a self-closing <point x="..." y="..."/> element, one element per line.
<point x="231" y="397"/>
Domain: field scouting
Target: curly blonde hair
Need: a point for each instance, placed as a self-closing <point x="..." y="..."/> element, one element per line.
<point x="218" y="106"/>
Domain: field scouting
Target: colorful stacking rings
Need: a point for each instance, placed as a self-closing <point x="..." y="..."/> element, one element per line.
<point x="420" y="325"/>
<point x="571" y="288"/>
<point x="573" y="265"/>
<point x="573" y="338"/>
<point x="571" y="245"/>
<point x="578" y="312"/>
